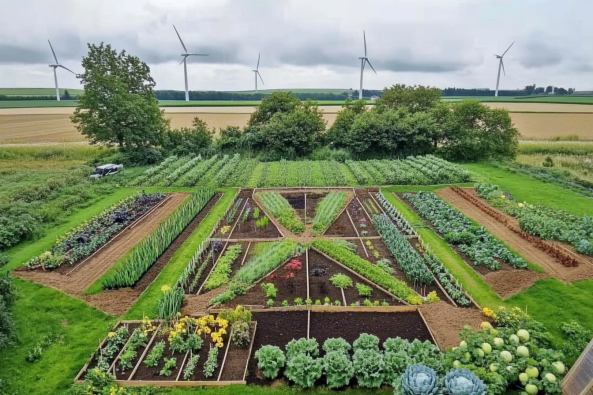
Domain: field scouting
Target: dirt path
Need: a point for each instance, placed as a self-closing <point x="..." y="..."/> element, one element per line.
<point x="200" y="303"/>
<point x="446" y="321"/>
<point x="95" y="267"/>
<point x="522" y="247"/>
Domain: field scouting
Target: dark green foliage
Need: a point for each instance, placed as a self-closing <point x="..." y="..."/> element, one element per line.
<point x="415" y="98"/>
<point x="186" y="141"/>
<point x="276" y="103"/>
<point x="118" y="106"/>
<point x="8" y="297"/>
<point x="240" y="335"/>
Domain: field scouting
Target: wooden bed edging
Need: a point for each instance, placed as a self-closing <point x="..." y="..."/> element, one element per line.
<point x="169" y="383"/>
<point x="250" y="349"/>
<point x="434" y="340"/>
<point x="332" y="309"/>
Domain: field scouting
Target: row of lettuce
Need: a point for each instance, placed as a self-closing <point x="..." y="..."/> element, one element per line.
<point x="517" y="354"/>
<point x="225" y="170"/>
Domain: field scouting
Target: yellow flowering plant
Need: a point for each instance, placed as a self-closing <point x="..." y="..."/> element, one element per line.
<point x="489" y="312"/>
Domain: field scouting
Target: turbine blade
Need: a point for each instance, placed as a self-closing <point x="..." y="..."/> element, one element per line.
<point x="182" y="44"/>
<point x="502" y="63"/>
<point x="262" y="80"/>
<point x="66" y="68"/>
<point x="508" y="48"/>
<point x="365" y="43"/>
<point x="258" y="57"/>
<point x="183" y="60"/>
<point x="52" y="51"/>
<point x="371" y="66"/>
<point x="196" y="54"/>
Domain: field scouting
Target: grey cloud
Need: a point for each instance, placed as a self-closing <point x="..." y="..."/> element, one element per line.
<point x="19" y="54"/>
<point x="537" y="54"/>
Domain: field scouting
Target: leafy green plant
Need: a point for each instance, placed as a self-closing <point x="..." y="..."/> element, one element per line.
<point x="369" y="367"/>
<point x="170" y="303"/>
<point x="341" y="280"/>
<point x="240" y="334"/>
<point x="190" y="367"/>
<point x="285" y="303"/>
<point x="318" y="302"/>
<point x="462" y="382"/>
<point x="336" y="345"/>
<point x="270" y="303"/>
<point x="420" y="380"/>
<point x="303" y="370"/>
<point x="338" y="369"/>
<point x="302" y="346"/>
<point x="223" y="269"/>
<point x="270" y="359"/>
<point x="256" y="213"/>
<point x="269" y="289"/>
<point x="211" y="363"/>
<point x="194" y="343"/>
<point x="153" y="358"/>
<point x="364" y="290"/>
<point x="298" y="301"/>
<point x="366" y="342"/>
<point x="170" y="364"/>
<point x="239" y="314"/>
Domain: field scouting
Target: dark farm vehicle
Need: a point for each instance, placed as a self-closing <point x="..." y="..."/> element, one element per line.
<point x="107" y="170"/>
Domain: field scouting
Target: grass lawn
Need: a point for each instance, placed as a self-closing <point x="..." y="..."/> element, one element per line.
<point x="532" y="190"/>
<point x="37" y="91"/>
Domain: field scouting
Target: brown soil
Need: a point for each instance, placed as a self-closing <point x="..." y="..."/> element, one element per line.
<point x="359" y="218"/>
<point x="245" y="197"/>
<point x="198" y="304"/>
<point x="525" y="249"/>
<point x="446" y="321"/>
<point x="321" y="286"/>
<point x="236" y="361"/>
<point x="342" y="226"/>
<point x="248" y="229"/>
<point x="93" y="362"/>
<point x="91" y="270"/>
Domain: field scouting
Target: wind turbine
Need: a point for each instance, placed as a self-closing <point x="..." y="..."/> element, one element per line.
<point x="501" y="65"/>
<point x="184" y="61"/>
<point x="55" y="66"/>
<point x="363" y="61"/>
<point x="256" y="71"/>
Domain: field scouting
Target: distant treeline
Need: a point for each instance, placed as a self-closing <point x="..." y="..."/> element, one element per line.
<point x="240" y="96"/>
<point x="64" y="96"/>
<point x="528" y="91"/>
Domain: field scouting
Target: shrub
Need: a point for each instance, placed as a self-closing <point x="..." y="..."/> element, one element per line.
<point x="338" y="369"/>
<point x="303" y="369"/>
<point x="270" y="359"/>
<point x="369" y="367"/>
<point x="241" y="336"/>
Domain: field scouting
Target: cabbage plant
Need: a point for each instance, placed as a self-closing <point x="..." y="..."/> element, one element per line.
<point x="270" y="359"/>
<point x="463" y="382"/>
<point x="338" y="369"/>
<point x="369" y="368"/>
<point x="420" y="380"/>
<point x="303" y="370"/>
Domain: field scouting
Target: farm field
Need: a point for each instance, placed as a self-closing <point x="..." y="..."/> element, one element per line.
<point x="319" y="262"/>
<point x="537" y="121"/>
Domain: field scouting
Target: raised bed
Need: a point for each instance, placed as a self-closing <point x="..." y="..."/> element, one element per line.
<point x="229" y="357"/>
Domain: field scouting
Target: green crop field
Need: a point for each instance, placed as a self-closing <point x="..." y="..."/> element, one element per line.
<point x="572" y="99"/>
<point x="37" y="91"/>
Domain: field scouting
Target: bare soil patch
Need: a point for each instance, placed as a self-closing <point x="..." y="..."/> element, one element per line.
<point x="525" y="249"/>
<point x="446" y="321"/>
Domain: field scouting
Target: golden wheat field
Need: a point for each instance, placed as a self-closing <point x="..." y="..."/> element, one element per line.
<point x="42" y="125"/>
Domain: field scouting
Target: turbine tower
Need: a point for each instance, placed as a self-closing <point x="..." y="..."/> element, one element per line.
<point x="256" y="71"/>
<point x="501" y="65"/>
<point x="55" y="66"/>
<point x="363" y="61"/>
<point x="184" y="61"/>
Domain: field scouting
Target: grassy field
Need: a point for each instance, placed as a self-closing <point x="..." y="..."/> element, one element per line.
<point x="573" y="99"/>
<point x="37" y="91"/>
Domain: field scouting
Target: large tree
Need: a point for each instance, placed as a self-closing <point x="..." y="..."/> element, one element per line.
<point x="118" y="106"/>
<point x="277" y="102"/>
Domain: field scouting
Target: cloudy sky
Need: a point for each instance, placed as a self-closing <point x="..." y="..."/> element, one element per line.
<point x="307" y="43"/>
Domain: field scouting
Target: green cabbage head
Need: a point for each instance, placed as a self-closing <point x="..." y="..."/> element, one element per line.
<point x="420" y="380"/>
<point x="463" y="382"/>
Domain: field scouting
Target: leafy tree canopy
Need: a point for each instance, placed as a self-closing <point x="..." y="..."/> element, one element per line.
<point x="415" y="98"/>
<point x="118" y="106"/>
<point x="277" y="102"/>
